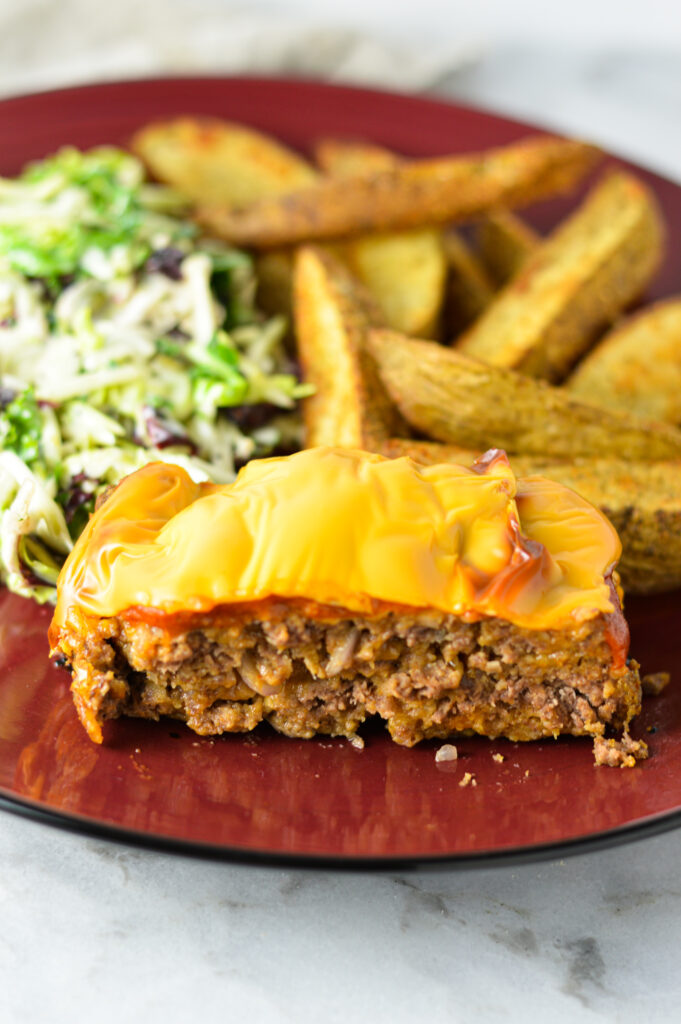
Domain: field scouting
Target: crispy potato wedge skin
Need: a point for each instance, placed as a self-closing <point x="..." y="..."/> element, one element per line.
<point x="464" y="402"/>
<point x="642" y="500"/>
<point x="413" y="194"/>
<point x="504" y="243"/>
<point x="469" y="288"/>
<point x="591" y="268"/>
<point x="350" y="408"/>
<point x="637" y="366"/>
<point x="404" y="270"/>
<point x="214" y="161"/>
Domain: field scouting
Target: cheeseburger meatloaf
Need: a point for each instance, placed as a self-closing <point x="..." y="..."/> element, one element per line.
<point x="330" y="586"/>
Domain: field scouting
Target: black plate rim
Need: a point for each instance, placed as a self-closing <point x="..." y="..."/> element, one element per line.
<point x="647" y="828"/>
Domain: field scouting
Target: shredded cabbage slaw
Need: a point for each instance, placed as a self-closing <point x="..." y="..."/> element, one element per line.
<point x="125" y="338"/>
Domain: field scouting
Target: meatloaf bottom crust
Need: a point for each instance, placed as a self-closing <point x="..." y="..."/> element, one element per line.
<point x="308" y="669"/>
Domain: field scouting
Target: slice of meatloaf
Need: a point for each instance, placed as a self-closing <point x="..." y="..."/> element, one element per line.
<point x="308" y="668"/>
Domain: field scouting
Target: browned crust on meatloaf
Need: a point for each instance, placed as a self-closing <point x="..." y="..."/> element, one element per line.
<point x="427" y="674"/>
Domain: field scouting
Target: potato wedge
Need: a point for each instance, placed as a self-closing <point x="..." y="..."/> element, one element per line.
<point x="469" y="288"/>
<point x="332" y="315"/>
<point x="464" y="402"/>
<point x="405" y="271"/>
<point x="642" y="500"/>
<point x="416" y="309"/>
<point x="413" y="194"/>
<point x="347" y="158"/>
<point x="578" y="281"/>
<point x="214" y="161"/>
<point x="426" y="453"/>
<point x="637" y="366"/>
<point x="504" y="243"/>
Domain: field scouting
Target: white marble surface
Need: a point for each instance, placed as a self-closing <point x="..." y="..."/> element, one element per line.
<point x="129" y="935"/>
<point x="626" y="98"/>
<point x="96" y="931"/>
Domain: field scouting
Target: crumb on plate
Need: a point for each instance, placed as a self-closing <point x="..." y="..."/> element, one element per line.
<point x="654" y="683"/>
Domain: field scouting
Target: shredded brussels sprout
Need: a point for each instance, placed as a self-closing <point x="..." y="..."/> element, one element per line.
<point x="125" y="338"/>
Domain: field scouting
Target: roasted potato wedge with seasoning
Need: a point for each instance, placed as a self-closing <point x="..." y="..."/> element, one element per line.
<point x="412" y="194"/>
<point x="333" y="313"/>
<point x="641" y="499"/>
<point x="405" y="271"/>
<point x="504" y="243"/>
<point x="637" y="366"/>
<point x="214" y="161"/>
<point x="577" y="282"/>
<point x="469" y="288"/>
<point x="461" y="401"/>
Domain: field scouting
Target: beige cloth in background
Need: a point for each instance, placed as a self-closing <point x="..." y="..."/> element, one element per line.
<point x="49" y="43"/>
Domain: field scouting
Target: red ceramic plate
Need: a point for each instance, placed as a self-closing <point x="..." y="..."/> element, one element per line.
<point x="261" y="796"/>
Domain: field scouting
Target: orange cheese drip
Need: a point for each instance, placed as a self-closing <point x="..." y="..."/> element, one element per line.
<point x="345" y="528"/>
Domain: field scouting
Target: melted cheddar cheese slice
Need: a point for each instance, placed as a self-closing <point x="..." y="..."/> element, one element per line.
<point x="346" y="528"/>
